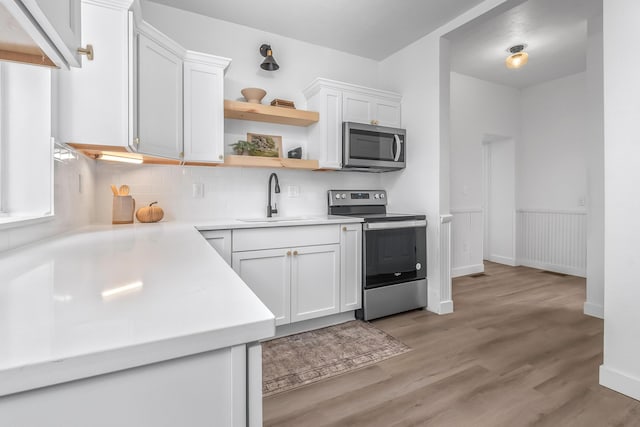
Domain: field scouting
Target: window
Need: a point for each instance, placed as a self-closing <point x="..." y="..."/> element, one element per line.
<point x="26" y="148"/>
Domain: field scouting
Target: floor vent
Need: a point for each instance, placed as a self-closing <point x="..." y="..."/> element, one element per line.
<point x="554" y="273"/>
<point x="478" y="275"/>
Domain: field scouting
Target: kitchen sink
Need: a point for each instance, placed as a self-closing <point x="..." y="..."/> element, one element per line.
<point x="278" y="219"/>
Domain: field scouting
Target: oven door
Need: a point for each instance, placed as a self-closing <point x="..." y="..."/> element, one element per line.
<point x="394" y="252"/>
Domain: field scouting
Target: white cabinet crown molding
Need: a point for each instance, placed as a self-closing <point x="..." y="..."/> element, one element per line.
<point x="207" y="59"/>
<point x="113" y="4"/>
<point x="321" y="82"/>
<point x="170" y="44"/>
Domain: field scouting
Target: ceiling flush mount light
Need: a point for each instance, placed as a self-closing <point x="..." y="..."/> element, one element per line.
<point x="518" y="57"/>
<point x="269" y="63"/>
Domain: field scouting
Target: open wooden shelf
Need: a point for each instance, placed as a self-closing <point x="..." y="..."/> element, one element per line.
<point x="94" y="151"/>
<point x="269" y="162"/>
<point x="266" y="113"/>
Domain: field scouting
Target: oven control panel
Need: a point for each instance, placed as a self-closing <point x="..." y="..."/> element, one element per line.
<point x="357" y="197"/>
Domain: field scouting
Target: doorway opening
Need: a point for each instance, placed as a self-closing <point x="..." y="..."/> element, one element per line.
<point x="499" y="204"/>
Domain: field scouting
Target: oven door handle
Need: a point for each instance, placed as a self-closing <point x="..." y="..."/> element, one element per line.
<point x="388" y="225"/>
<point x="397" y="147"/>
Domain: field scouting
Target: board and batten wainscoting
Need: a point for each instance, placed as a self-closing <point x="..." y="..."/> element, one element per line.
<point x="466" y="241"/>
<point x="554" y="240"/>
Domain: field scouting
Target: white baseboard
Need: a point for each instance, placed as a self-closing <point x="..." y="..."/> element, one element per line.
<point x="620" y="382"/>
<point x="503" y="260"/>
<point x="553" y="267"/>
<point x="311" y="324"/>
<point x="466" y="270"/>
<point x="444" y="307"/>
<point x="594" y="310"/>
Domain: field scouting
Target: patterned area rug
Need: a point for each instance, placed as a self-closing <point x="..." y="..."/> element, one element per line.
<point x="297" y="360"/>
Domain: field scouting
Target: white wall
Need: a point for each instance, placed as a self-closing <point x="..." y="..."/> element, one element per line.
<point x="420" y="72"/>
<point x="242" y="192"/>
<point x="229" y="192"/>
<point x="620" y="369"/>
<point x="73" y="208"/>
<point x="300" y="62"/>
<point x="552" y="150"/>
<point x="550" y="124"/>
<point x="594" y="305"/>
<point x="480" y="111"/>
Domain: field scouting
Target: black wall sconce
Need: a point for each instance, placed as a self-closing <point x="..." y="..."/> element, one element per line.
<point x="269" y="63"/>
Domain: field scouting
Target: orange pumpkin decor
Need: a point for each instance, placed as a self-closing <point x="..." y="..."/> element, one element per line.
<point x="150" y="213"/>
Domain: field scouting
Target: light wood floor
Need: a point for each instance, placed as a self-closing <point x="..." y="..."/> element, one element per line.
<point x="517" y="352"/>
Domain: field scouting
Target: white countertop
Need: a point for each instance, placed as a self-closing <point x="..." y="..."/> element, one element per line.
<point x="225" y="224"/>
<point x="107" y="298"/>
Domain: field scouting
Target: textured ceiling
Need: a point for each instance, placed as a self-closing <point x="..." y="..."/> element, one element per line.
<point x="554" y="30"/>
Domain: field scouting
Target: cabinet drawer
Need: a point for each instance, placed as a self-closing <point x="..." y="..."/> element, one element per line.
<point x="252" y="239"/>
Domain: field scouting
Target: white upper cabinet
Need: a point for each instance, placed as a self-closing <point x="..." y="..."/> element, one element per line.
<point x="204" y="108"/>
<point x="143" y="92"/>
<point x="61" y="21"/>
<point x="362" y="108"/>
<point x="93" y="100"/>
<point x="340" y="102"/>
<point x="178" y="98"/>
<point x="158" y="86"/>
<point x="42" y="32"/>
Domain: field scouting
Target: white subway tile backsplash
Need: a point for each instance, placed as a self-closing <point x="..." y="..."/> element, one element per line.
<point x="228" y="192"/>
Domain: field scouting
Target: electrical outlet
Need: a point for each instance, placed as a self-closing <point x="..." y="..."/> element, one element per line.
<point x="198" y="190"/>
<point x="293" y="191"/>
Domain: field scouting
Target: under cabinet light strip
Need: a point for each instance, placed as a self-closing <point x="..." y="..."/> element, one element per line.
<point x="122" y="159"/>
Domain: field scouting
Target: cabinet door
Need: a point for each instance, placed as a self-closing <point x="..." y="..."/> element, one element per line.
<point x="387" y="113"/>
<point x="315" y="282"/>
<point x="268" y="274"/>
<point x="220" y="240"/>
<point x="61" y="21"/>
<point x="325" y="137"/>
<point x="203" y="113"/>
<point x="351" y="267"/>
<point x="159" y="100"/>
<point x="357" y="108"/>
<point x="93" y="100"/>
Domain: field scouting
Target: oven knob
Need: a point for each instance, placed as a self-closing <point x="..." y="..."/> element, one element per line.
<point x="344" y="196"/>
<point x="337" y="196"/>
<point x="382" y="195"/>
<point x="418" y="266"/>
<point x="376" y="196"/>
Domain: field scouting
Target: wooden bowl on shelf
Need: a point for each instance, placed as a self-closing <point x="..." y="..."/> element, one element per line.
<point x="253" y="95"/>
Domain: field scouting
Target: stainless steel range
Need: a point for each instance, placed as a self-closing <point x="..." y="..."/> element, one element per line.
<point x="394" y="253"/>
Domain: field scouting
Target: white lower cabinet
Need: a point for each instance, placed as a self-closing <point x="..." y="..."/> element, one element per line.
<point x="268" y="274"/>
<point x="315" y="282"/>
<point x="351" y="271"/>
<point x="313" y="271"/>
<point x="220" y="240"/>
<point x="213" y="388"/>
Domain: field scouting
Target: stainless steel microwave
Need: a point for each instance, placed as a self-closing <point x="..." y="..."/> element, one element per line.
<point x="373" y="148"/>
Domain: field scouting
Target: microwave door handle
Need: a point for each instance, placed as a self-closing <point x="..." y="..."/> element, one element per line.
<point x="397" y="148"/>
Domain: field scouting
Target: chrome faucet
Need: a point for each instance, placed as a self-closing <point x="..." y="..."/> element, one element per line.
<point x="274" y="210"/>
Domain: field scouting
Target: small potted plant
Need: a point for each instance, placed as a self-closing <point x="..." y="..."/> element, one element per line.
<point x="243" y="148"/>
